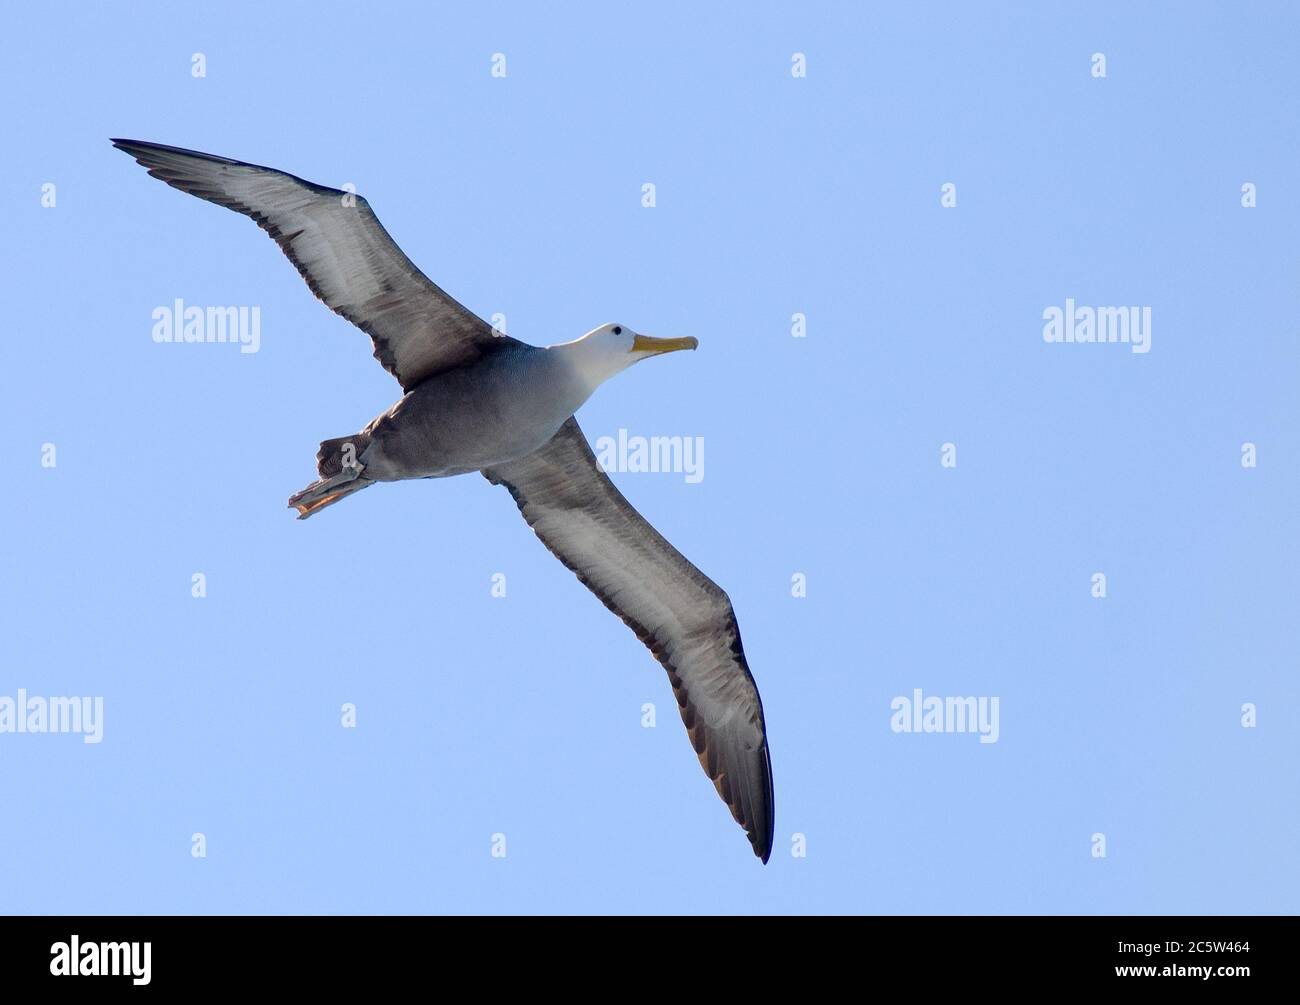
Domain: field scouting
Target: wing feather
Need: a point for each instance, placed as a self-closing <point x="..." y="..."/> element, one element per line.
<point x="683" y="616"/>
<point x="343" y="252"/>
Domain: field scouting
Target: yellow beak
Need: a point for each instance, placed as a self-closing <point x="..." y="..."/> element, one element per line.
<point x="644" y="343"/>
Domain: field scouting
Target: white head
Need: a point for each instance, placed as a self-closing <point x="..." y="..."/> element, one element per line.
<point x="612" y="348"/>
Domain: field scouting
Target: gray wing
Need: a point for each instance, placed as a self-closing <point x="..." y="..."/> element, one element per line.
<point x="676" y="610"/>
<point x="344" y="253"/>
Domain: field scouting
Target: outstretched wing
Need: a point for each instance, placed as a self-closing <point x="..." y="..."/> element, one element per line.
<point x="344" y="253"/>
<point x="676" y="610"/>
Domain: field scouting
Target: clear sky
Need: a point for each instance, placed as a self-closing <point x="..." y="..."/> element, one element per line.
<point x="1120" y="724"/>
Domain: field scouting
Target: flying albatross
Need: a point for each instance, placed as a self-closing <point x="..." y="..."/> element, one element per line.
<point x="478" y="400"/>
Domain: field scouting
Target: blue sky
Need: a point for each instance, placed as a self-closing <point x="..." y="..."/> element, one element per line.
<point x="776" y="195"/>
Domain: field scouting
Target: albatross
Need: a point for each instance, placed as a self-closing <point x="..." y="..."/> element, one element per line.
<point x="475" y="399"/>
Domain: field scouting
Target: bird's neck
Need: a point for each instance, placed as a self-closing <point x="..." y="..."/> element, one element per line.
<point x="589" y="363"/>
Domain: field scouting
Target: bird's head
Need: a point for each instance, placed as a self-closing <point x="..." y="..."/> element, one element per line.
<point x="611" y="348"/>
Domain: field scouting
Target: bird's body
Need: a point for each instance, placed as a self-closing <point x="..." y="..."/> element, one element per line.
<point x="494" y="410"/>
<point x="478" y="400"/>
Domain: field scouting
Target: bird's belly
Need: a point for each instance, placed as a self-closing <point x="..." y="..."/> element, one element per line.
<point x="434" y="432"/>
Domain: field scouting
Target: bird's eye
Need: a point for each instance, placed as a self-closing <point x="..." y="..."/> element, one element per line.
<point x="618" y="330"/>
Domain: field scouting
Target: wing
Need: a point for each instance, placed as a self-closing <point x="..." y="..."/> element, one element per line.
<point x="344" y="253"/>
<point x="676" y="610"/>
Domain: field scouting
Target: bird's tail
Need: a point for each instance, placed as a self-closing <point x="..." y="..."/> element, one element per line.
<point x="340" y="470"/>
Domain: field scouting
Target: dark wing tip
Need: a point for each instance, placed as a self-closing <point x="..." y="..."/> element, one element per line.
<point x="763" y="839"/>
<point x="138" y="148"/>
<point x="134" y="146"/>
<point x="743" y="777"/>
<point x="173" y="164"/>
<point x="159" y="155"/>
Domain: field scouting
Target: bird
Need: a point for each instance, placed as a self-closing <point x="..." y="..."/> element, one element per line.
<point x="477" y="400"/>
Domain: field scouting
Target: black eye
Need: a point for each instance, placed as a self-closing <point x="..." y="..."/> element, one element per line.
<point x="618" y="330"/>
